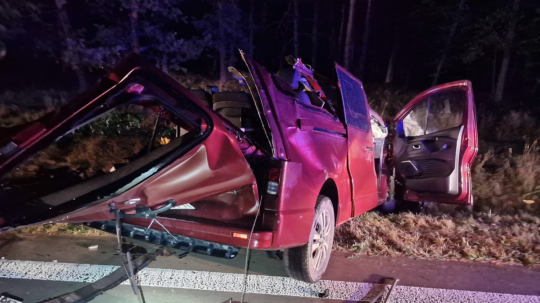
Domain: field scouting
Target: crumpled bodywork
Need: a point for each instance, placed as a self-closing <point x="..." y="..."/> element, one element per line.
<point x="212" y="164"/>
<point x="213" y="183"/>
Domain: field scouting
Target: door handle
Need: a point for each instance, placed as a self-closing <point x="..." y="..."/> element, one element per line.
<point x="369" y="148"/>
<point x="417" y="146"/>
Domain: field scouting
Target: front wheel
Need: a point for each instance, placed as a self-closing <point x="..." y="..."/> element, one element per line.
<point x="308" y="262"/>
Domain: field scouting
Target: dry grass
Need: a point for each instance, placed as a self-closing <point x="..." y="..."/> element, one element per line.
<point x="21" y="107"/>
<point x="502" y="182"/>
<point x="495" y="238"/>
<point x="13" y="115"/>
<point x="61" y="229"/>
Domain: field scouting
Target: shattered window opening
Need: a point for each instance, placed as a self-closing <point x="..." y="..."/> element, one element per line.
<point x="120" y="136"/>
<point x="435" y="113"/>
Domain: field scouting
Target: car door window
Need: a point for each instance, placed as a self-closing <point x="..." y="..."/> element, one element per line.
<point x="435" y="113"/>
<point x="354" y="101"/>
<point x="105" y="143"/>
<point x="414" y="123"/>
<point x="445" y="110"/>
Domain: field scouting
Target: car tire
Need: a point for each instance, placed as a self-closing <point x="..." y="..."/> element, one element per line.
<point x="308" y="262"/>
<point x="411" y="206"/>
<point x="390" y="204"/>
<point x="388" y="207"/>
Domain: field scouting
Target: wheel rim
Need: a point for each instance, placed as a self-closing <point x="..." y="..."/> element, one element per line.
<point x="320" y="248"/>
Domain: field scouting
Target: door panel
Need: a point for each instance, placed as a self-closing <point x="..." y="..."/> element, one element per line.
<point x="360" y="158"/>
<point x="435" y="144"/>
<point x="431" y="159"/>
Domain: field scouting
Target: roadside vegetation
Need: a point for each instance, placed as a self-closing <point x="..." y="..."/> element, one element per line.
<point x="496" y="238"/>
<point x="503" y="225"/>
<point x="61" y="229"/>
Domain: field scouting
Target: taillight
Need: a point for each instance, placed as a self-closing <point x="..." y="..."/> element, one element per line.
<point x="239" y="235"/>
<point x="273" y="181"/>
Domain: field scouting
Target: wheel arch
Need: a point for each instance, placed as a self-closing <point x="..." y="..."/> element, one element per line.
<point x="330" y="190"/>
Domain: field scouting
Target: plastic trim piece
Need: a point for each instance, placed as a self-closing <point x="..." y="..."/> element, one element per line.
<point x="163" y="238"/>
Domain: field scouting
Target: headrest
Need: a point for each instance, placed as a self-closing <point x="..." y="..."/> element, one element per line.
<point x="290" y="75"/>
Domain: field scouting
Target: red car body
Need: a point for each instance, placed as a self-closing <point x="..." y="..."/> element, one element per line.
<point x="311" y="151"/>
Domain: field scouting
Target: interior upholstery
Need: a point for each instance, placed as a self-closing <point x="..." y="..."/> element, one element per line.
<point x="237" y="107"/>
<point x="203" y="96"/>
<point x="302" y="91"/>
<point x="290" y="76"/>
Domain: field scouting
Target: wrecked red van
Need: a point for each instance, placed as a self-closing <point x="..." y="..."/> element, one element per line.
<point x="274" y="167"/>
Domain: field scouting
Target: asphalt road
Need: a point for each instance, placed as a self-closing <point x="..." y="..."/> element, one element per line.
<point x="50" y="266"/>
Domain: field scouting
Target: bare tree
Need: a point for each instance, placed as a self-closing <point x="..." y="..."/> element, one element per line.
<point x="295" y="26"/>
<point x="494" y="73"/>
<point x="365" y="40"/>
<point x="393" y="54"/>
<point x="314" y="32"/>
<point x="251" y="27"/>
<point x="70" y="56"/>
<point x="222" y="48"/>
<point x="449" y="39"/>
<point x="507" y="51"/>
<point x="133" y="25"/>
<point x="340" y="47"/>
<point x="349" y="43"/>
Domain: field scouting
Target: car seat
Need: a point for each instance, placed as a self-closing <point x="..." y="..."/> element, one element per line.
<point x="203" y="96"/>
<point x="237" y="107"/>
<point x="304" y="93"/>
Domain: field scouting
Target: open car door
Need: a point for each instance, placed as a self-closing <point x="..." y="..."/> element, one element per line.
<point x="360" y="147"/>
<point x="138" y="143"/>
<point x="435" y="145"/>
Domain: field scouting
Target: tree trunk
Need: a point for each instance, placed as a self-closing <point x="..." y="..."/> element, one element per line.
<point x="295" y="25"/>
<point x="264" y="11"/>
<point x="535" y="87"/>
<point x="165" y="63"/>
<point x="81" y="79"/>
<point x="251" y="27"/>
<point x="449" y="38"/>
<point x="133" y="26"/>
<point x="222" y="49"/>
<point x="333" y="33"/>
<point x="408" y="76"/>
<point x="507" y="52"/>
<point x="395" y="49"/>
<point x="314" y="33"/>
<point x="67" y="32"/>
<point x="365" y="39"/>
<point x="494" y="73"/>
<point x="390" y="69"/>
<point x="349" y="43"/>
<point x="341" y="48"/>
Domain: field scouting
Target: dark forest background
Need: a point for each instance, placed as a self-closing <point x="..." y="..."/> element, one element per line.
<point x="63" y="44"/>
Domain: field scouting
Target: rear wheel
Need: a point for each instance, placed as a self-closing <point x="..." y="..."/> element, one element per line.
<point x="389" y="205"/>
<point x="411" y="206"/>
<point x="308" y="262"/>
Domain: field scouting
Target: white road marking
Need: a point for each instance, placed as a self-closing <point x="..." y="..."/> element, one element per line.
<point x="257" y="284"/>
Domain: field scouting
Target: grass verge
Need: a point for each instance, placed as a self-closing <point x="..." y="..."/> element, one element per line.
<point x="495" y="238"/>
<point x="62" y="229"/>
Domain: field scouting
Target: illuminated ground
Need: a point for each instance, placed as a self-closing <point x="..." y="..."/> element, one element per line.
<point x="198" y="278"/>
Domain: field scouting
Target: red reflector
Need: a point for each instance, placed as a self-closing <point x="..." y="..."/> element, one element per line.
<point x="273" y="175"/>
<point x="241" y="236"/>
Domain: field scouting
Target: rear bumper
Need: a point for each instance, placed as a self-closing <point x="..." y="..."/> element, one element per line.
<point x="163" y="238"/>
<point x="288" y="229"/>
<point x="212" y="233"/>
